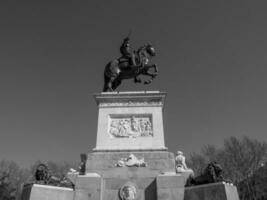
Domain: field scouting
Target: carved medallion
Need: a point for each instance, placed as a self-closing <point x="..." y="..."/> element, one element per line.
<point x="128" y="192"/>
<point x="131" y="126"/>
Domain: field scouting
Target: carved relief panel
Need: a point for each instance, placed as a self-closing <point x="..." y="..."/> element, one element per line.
<point x="130" y="126"/>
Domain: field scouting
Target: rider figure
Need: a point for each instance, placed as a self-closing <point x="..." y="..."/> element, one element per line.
<point x="127" y="53"/>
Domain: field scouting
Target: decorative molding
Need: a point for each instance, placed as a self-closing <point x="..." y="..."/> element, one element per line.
<point x="130" y="104"/>
<point x="121" y="99"/>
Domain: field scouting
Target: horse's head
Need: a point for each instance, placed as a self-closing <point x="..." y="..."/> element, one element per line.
<point x="150" y="50"/>
<point x="147" y="50"/>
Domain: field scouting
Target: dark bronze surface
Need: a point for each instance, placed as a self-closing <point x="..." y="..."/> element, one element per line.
<point x="130" y="65"/>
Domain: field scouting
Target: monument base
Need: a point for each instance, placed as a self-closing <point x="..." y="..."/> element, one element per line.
<point x="214" y="191"/>
<point x="130" y="160"/>
<point x="106" y="179"/>
<point x="165" y="186"/>
<point x="46" y="192"/>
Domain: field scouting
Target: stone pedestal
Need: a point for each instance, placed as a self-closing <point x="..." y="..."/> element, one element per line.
<point x="131" y="124"/>
<point x="88" y="187"/>
<point x="45" y="192"/>
<point x="214" y="191"/>
<point x="130" y="121"/>
<point x="170" y="187"/>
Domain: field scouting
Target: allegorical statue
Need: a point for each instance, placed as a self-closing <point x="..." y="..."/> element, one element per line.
<point x="131" y="64"/>
<point x="82" y="166"/>
<point x="181" y="164"/>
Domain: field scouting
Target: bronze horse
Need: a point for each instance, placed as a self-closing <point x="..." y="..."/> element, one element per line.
<point x="119" y="69"/>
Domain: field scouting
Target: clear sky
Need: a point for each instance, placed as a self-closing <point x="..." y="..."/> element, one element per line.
<point x="211" y="56"/>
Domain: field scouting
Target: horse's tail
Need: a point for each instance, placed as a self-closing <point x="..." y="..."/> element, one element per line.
<point x="106" y="77"/>
<point x="106" y="80"/>
<point x="111" y="72"/>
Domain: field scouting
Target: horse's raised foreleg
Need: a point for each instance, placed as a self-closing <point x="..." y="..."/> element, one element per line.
<point x="146" y="71"/>
<point x="151" y="74"/>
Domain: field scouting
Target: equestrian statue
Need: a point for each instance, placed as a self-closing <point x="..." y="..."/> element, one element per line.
<point x="130" y="65"/>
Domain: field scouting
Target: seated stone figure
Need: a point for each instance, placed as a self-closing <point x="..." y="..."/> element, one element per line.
<point x="180" y="163"/>
<point x="82" y="166"/>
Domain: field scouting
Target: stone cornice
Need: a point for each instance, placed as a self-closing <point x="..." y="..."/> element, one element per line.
<point x="139" y="98"/>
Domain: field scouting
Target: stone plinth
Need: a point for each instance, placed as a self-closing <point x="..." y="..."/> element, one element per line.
<point x="130" y="121"/>
<point x="170" y="186"/>
<point x="215" y="191"/>
<point x="88" y="187"/>
<point x="45" y="192"/>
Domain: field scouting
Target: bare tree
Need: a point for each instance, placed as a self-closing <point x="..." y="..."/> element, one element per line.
<point x="243" y="158"/>
<point x="240" y="159"/>
<point x="11" y="179"/>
